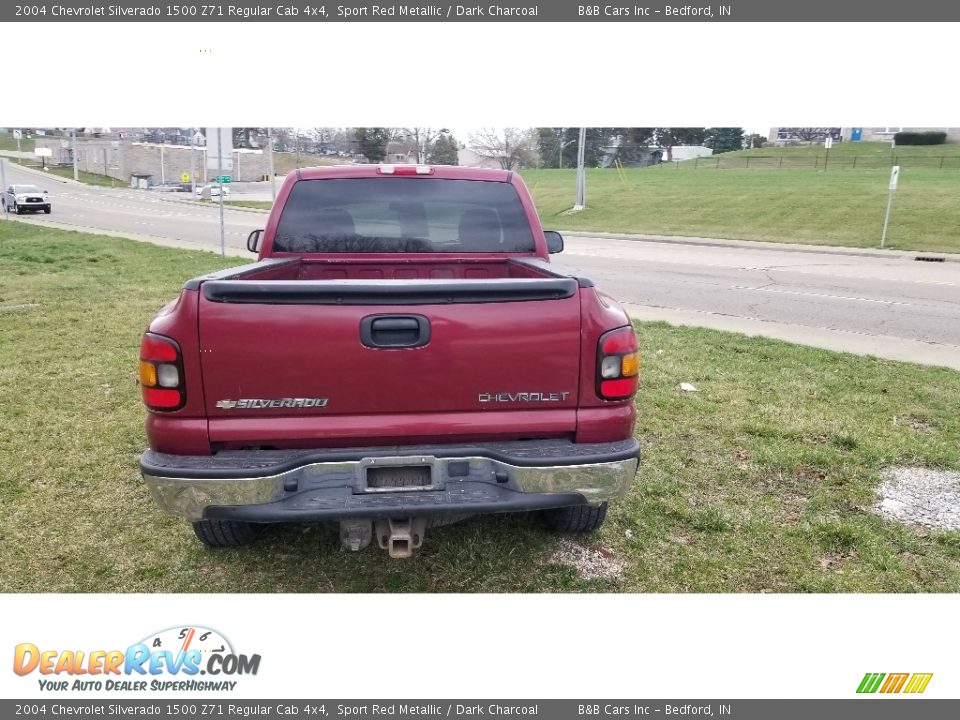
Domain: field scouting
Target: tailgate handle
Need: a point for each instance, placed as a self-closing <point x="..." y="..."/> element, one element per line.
<point x="394" y="331"/>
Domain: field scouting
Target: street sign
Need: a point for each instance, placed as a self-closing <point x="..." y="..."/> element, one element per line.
<point x="185" y="177"/>
<point x="894" y="178"/>
<point x="43" y="152"/>
<point x="828" y="143"/>
<point x="222" y="179"/>
<point x="220" y="149"/>
<point x="17" y="134"/>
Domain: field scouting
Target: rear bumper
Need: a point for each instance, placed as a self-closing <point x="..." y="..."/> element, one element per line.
<point x="331" y="484"/>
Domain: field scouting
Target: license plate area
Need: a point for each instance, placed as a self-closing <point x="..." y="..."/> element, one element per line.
<point x="398" y="474"/>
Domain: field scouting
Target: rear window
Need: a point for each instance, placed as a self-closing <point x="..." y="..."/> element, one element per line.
<point x="407" y="215"/>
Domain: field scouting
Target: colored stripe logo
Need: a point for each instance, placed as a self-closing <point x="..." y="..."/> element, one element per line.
<point x="913" y="683"/>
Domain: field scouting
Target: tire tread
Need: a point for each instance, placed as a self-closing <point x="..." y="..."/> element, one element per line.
<point x="577" y="519"/>
<point x="226" y="533"/>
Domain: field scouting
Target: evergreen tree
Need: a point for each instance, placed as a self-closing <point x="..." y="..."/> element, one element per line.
<point x="444" y="151"/>
<point x="722" y="140"/>
<point x="372" y="142"/>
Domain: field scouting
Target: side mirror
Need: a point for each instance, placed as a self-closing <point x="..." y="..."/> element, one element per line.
<point x="554" y="241"/>
<point x="253" y="241"/>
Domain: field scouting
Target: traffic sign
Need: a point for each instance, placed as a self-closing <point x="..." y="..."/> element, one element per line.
<point x="185" y="177"/>
<point x="219" y="149"/>
<point x="17" y="134"/>
<point x="894" y="176"/>
<point x="222" y="179"/>
<point x="828" y="143"/>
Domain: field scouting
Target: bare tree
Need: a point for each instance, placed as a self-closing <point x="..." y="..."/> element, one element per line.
<point x="512" y="148"/>
<point x="809" y="134"/>
<point x="421" y="140"/>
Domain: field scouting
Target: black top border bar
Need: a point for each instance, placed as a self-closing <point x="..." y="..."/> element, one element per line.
<point x="317" y="11"/>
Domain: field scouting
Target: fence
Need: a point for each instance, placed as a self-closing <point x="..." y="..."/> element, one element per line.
<point x="821" y="161"/>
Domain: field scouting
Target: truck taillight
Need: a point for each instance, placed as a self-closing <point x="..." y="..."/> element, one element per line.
<point x="161" y="373"/>
<point x="618" y="364"/>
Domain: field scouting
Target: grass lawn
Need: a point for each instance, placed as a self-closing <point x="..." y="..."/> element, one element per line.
<point x="88" y="178"/>
<point x="285" y="162"/>
<point x="761" y="481"/>
<point x="845" y="207"/>
<point x="258" y="204"/>
<point x="84" y="177"/>
<point x="8" y="142"/>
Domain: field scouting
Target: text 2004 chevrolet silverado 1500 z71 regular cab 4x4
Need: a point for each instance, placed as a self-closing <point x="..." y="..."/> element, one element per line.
<point x="402" y="355"/>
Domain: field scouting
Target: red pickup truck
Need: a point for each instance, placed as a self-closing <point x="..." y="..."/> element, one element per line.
<point x="402" y="355"/>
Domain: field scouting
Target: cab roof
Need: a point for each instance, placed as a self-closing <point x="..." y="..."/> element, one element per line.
<point x="377" y="170"/>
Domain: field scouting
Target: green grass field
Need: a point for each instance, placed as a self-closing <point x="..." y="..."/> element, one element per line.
<point x="845" y="207"/>
<point x="8" y="142"/>
<point x="761" y="481"/>
<point x="67" y="172"/>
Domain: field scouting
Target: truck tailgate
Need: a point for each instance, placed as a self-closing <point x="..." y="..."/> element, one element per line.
<point x="314" y="362"/>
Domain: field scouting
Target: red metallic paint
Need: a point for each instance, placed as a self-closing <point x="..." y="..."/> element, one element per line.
<point x="382" y="397"/>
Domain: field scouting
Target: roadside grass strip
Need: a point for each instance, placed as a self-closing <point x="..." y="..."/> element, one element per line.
<point x="843" y="207"/>
<point x="764" y="479"/>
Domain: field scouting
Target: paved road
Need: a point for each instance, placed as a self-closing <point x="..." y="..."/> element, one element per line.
<point x="137" y="212"/>
<point x="893" y="307"/>
<point x="887" y="306"/>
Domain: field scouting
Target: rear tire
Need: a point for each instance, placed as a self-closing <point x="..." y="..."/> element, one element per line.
<point x="226" y="533"/>
<point x="577" y="519"/>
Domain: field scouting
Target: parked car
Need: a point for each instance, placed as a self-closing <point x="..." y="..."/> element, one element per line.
<point x="212" y="190"/>
<point x="25" y="198"/>
<point x="402" y="355"/>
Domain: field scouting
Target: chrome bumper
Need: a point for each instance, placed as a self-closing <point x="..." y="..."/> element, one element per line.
<point x="331" y="490"/>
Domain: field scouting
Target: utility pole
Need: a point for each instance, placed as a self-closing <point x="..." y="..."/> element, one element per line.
<point x="73" y="145"/>
<point x="223" y="235"/>
<point x="3" y="183"/>
<point x="581" y="199"/>
<point x="273" y="179"/>
<point x="193" y="163"/>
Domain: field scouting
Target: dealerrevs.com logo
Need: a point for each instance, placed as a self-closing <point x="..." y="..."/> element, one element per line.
<point x="173" y="659"/>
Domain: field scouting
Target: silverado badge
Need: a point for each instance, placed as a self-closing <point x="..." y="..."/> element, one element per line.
<point x="265" y="403"/>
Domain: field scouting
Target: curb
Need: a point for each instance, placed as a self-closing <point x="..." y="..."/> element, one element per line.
<point x="783" y="247"/>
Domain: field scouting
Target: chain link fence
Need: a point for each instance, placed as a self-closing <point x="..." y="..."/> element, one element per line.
<point x="821" y="161"/>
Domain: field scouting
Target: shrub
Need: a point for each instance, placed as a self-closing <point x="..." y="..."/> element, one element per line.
<point x="930" y="137"/>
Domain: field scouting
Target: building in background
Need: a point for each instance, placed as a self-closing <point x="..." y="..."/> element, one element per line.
<point x="152" y="163"/>
<point x="781" y="136"/>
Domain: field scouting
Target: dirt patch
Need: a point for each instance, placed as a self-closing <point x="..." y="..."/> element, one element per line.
<point x="918" y="495"/>
<point x="591" y="563"/>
